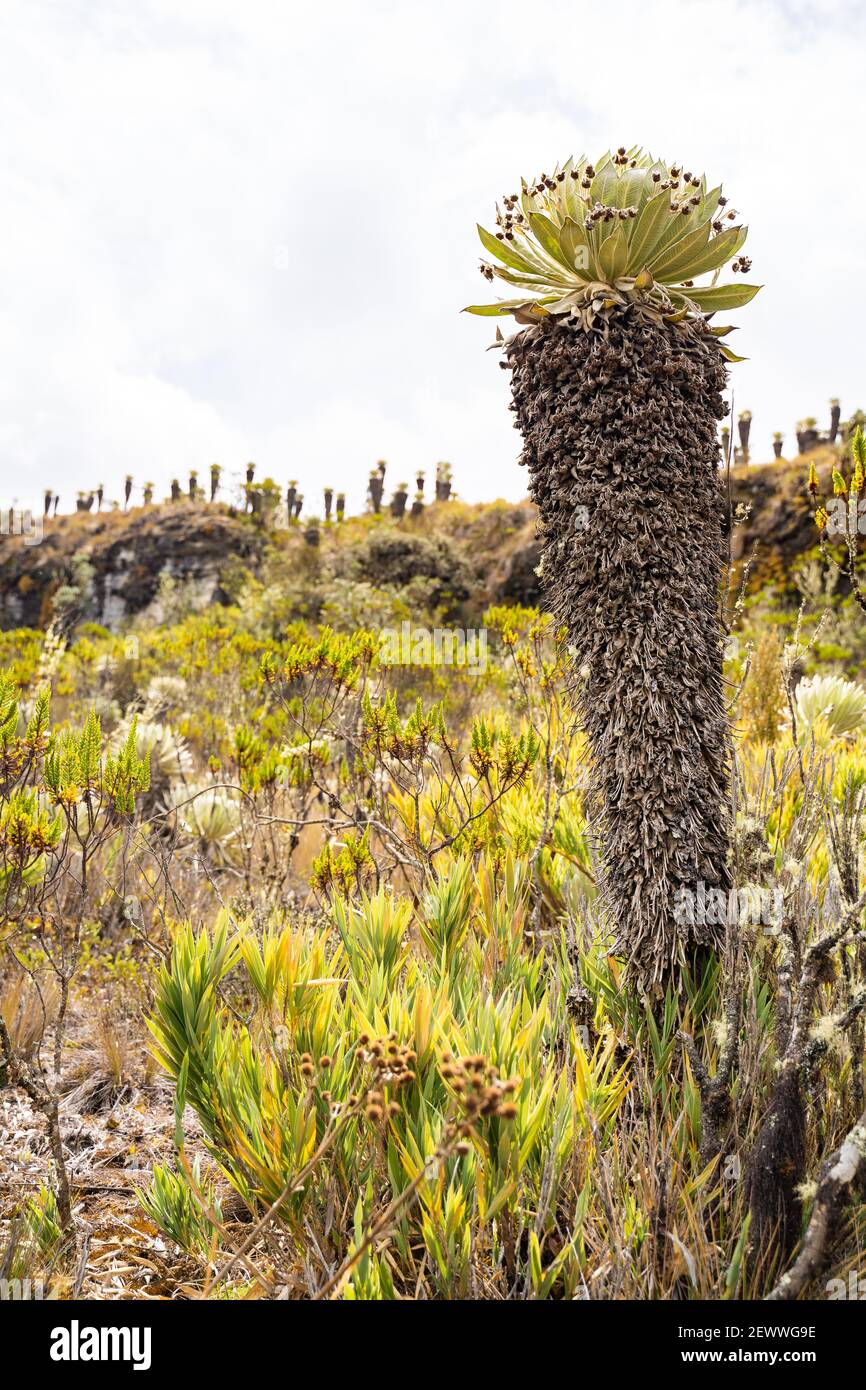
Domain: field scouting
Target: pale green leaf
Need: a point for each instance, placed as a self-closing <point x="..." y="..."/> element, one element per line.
<point x="548" y="237"/>
<point x="613" y="254"/>
<point x="547" y="281"/>
<point x="723" y="297"/>
<point x="646" y="231"/>
<point x="490" y="311"/>
<point x="575" y="247"/>
<point x="504" y="251"/>
<point x="718" y="251"/>
<point x="664" y="265"/>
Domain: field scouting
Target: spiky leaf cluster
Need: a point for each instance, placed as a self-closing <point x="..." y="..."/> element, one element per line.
<point x="343" y="869"/>
<point x="177" y="1210"/>
<point x="409" y="740"/>
<point x="125" y="773"/>
<point x="589" y="239"/>
<point x="332" y="658"/>
<point x="75" y="767"/>
<point x="27" y="833"/>
<point x="16" y="752"/>
<point x="72" y="767"/>
<point x="495" y="749"/>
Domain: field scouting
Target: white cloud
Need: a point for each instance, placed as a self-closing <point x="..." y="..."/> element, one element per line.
<point x="161" y="159"/>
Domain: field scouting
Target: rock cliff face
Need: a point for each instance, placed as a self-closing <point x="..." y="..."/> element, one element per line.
<point x="781" y="520"/>
<point x="120" y="558"/>
<point x="116" y="561"/>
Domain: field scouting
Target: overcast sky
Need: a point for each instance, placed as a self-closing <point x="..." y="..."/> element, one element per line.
<point x="244" y="229"/>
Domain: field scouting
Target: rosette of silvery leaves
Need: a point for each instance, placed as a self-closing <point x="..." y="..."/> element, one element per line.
<point x="591" y="239"/>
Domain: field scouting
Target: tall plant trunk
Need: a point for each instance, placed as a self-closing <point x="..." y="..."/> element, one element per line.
<point x="620" y="437"/>
<point x="835" y="417"/>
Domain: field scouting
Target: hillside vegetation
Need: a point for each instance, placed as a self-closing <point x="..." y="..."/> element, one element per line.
<point x="119" y="563"/>
<point x="303" y="988"/>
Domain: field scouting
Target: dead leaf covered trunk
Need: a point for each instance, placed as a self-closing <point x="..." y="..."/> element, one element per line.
<point x="620" y="438"/>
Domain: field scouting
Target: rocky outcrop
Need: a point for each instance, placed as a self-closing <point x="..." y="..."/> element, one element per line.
<point x="110" y="566"/>
<point x="781" y="520"/>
